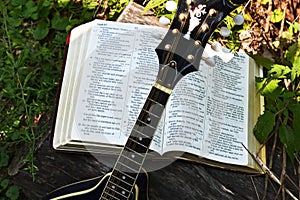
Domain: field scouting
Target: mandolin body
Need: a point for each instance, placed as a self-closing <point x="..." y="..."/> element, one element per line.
<point x="92" y="189"/>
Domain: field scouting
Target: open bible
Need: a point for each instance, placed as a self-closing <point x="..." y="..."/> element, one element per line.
<point x="108" y="73"/>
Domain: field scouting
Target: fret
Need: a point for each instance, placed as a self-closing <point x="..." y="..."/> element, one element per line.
<point x="115" y="186"/>
<point x="147" y="133"/>
<point x="149" y="117"/>
<point x="138" y="134"/>
<point x="117" y="194"/>
<point x="131" y="144"/>
<point x="120" y="180"/>
<point x="130" y="159"/>
<point x="111" y="196"/>
<point x="140" y="138"/>
<point x="124" y="176"/>
<point x="123" y="167"/>
<point x="150" y="113"/>
<point x="159" y="96"/>
<point x="129" y="163"/>
<point x="136" y="141"/>
<point x="153" y="107"/>
<point x="133" y="155"/>
<point x="146" y="124"/>
<point x="146" y="130"/>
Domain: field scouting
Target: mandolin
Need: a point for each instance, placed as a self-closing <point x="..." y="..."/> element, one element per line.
<point x="179" y="53"/>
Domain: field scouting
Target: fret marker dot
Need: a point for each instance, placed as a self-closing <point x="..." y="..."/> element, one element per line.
<point x="123" y="177"/>
<point x="123" y="192"/>
<point x="132" y="156"/>
<point x="113" y="187"/>
<point x="140" y="138"/>
<point x="149" y="119"/>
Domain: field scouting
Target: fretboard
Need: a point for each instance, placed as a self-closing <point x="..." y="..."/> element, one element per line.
<point x="131" y="159"/>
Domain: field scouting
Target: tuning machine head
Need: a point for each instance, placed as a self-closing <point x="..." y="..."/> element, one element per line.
<point x="171" y="5"/>
<point x="238" y="19"/>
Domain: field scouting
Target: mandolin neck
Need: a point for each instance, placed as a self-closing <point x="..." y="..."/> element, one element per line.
<point x="131" y="159"/>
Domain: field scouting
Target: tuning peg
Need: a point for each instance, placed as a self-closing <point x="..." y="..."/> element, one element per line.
<point x="224" y="31"/>
<point x="164" y="21"/>
<point x="157" y="35"/>
<point x="210" y="61"/>
<point x="216" y="46"/>
<point x="238" y="19"/>
<point x="171" y="5"/>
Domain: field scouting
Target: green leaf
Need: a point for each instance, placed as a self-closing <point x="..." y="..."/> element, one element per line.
<point x="4" y="183"/>
<point x="296" y="125"/>
<point x="279" y="71"/>
<point x="287" y="35"/>
<point x="41" y="31"/>
<point x="152" y="4"/>
<point x="16" y="3"/>
<point x="90" y="4"/>
<point x="270" y="88"/>
<point x="12" y="192"/>
<point x="264" y="126"/>
<point x="262" y="61"/>
<point x="30" y="9"/>
<point x="44" y="9"/>
<point x="13" y="21"/>
<point x="295" y="26"/>
<point x="296" y="68"/>
<point x="58" y="22"/>
<point x="293" y="52"/>
<point x="276" y="16"/>
<point x="264" y="2"/>
<point x="63" y="3"/>
<point x="287" y="137"/>
<point x="4" y="158"/>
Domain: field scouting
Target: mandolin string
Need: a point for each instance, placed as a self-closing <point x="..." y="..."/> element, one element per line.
<point x="170" y="55"/>
<point x="199" y="29"/>
<point x="117" y="181"/>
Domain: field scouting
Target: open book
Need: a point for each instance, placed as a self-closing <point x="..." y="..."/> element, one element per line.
<point x="110" y="68"/>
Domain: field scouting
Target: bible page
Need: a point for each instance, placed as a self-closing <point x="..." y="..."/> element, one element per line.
<point x="207" y="114"/>
<point x="119" y="70"/>
<point x="71" y="71"/>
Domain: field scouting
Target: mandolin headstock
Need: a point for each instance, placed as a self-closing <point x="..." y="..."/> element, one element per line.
<point x="181" y="49"/>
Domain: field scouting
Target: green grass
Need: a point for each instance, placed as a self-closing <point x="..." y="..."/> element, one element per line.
<point x="33" y="35"/>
